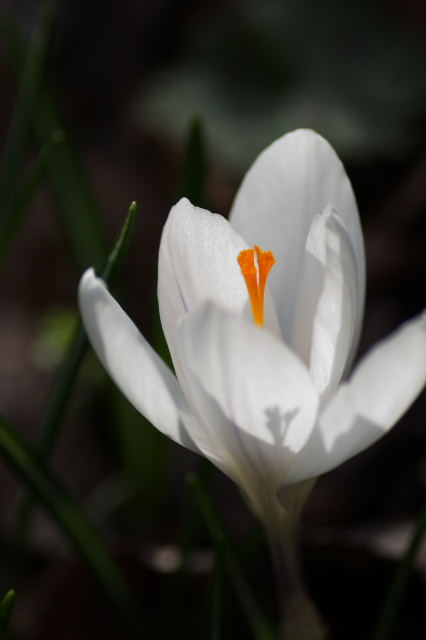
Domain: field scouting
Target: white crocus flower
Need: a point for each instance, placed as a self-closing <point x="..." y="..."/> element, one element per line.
<point x="265" y="405"/>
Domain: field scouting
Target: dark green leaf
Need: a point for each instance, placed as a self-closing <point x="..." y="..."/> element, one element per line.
<point x="14" y="210"/>
<point x="192" y="182"/>
<point x="258" y="624"/>
<point x="63" y="386"/>
<point x="28" y="90"/>
<point x="6" y="606"/>
<point x="58" y="399"/>
<point x="75" y="526"/>
<point x="77" y="212"/>
<point x="396" y="592"/>
<point x="213" y="627"/>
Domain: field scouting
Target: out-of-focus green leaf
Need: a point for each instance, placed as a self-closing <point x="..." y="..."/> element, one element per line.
<point x="58" y="399"/>
<point x="213" y="625"/>
<point x="53" y="336"/>
<point x="256" y="70"/>
<point x="63" y="386"/>
<point x="26" y="101"/>
<point x="75" y="206"/>
<point x="14" y="209"/>
<point x="6" y="606"/>
<point x="179" y="584"/>
<point x="396" y="592"/>
<point x="75" y="526"/>
<point x="192" y="182"/>
<point x="144" y="454"/>
<point x="257" y="622"/>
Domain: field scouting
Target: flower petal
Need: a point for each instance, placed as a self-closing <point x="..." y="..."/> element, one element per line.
<point x="383" y="386"/>
<point x="137" y="370"/>
<point x="252" y="391"/>
<point x="326" y="303"/>
<point x="198" y="261"/>
<point x="291" y="181"/>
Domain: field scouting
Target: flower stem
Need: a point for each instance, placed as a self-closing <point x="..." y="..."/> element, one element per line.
<point x="300" y="618"/>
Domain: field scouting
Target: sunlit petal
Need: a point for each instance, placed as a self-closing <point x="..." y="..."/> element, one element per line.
<point x="383" y="386"/>
<point x="137" y="370"/>
<point x="254" y="393"/>
<point x="291" y="181"/>
<point x="326" y="303"/>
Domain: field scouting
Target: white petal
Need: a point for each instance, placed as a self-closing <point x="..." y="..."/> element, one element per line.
<point x="383" y="386"/>
<point x="326" y="303"/>
<point x="198" y="261"/>
<point x="137" y="370"/>
<point x="254" y="394"/>
<point x="291" y="181"/>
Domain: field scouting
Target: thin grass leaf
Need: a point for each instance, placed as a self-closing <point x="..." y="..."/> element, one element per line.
<point x="257" y="622"/>
<point x="58" y="399"/>
<point x="213" y="625"/>
<point x="142" y="453"/>
<point x="115" y="259"/>
<point x="6" y="606"/>
<point x="193" y="176"/>
<point x="179" y="583"/>
<point x="77" y="212"/>
<point x="19" y="129"/>
<point x="13" y="212"/>
<point x="397" y="589"/>
<point x="75" y="526"/>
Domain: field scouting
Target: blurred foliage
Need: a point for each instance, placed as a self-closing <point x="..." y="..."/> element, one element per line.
<point x="6" y="606"/>
<point x="193" y="174"/>
<point x="76" y="526"/>
<point x="392" y="605"/>
<point x="32" y="68"/>
<point x="259" y="625"/>
<point x="53" y="335"/>
<point x="62" y="338"/>
<point x="15" y="193"/>
<point x="15" y="208"/>
<point x="75" y="206"/>
<point x="345" y="69"/>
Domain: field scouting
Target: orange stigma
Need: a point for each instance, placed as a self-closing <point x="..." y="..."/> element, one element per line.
<point x="256" y="278"/>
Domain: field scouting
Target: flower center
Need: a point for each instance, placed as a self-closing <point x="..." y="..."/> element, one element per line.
<point x="256" y="278"/>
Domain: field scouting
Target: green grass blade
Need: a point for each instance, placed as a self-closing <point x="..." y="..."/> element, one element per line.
<point x="213" y="626"/>
<point x="77" y="212"/>
<point x="26" y="101"/>
<point x="75" y="526"/>
<point x="396" y="592"/>
<point x="192" y="181"/>
<point x="115" y="259"/>
<point x="58" y="399"/>
<point x="260" y="627"/>
<point x="13" y="212"/>
<point x="6" y="606"/>
<point x="67" y="375"/>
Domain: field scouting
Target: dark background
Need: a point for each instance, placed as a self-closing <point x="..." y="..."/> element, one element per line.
<point x="127" y="77"/>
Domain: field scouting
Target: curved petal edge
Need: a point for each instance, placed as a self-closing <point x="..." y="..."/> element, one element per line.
<point x="137" y="370"/>
<point x="382" y="387"/>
